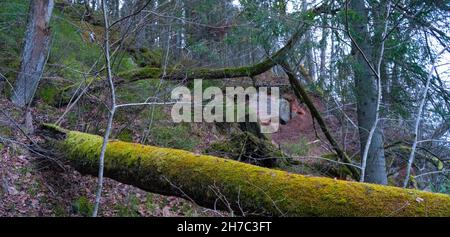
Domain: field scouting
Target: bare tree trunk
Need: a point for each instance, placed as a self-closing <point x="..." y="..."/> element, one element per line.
<point x="112" y="111"/>
<point x="309" y="51"/>
<point x="323" y="52"/>
<point x="301" y="94"/>
<point x="417" y="123"/>
<point x="35" y="51"/>
<point x="373" y="162"/>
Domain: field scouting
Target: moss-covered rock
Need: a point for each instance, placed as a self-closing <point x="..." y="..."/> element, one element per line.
<point x="220" y="183"/>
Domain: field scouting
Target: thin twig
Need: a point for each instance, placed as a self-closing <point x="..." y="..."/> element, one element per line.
<point x="419" y="117"/>
<point x="111" y="113"/>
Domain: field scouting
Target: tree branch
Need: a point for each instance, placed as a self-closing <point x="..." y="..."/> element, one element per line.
<point x="302" y="95"/>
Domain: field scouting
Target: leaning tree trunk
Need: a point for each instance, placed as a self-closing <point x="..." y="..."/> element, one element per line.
<point x="35" y="50"/>
<point x="230" y="185"/>
<point x="302" y="95"/>
<point x="366" y="96"/>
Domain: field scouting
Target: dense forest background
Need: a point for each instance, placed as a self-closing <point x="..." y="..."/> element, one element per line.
<point x="366" y="84"/>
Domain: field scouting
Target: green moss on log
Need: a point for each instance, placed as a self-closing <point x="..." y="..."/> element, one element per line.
<point x="220" y="183"/>
<point x="136" y="74"/>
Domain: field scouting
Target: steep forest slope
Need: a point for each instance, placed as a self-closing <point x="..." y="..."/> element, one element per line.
<point x="73" y="96"/>
<point x="31" y="185"/>
<point x="34" y="186"/>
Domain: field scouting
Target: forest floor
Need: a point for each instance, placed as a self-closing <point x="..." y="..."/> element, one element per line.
<point x="34" y="186"/>
<point x="300" y="126"/>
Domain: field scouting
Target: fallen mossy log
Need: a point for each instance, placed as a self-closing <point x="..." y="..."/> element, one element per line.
<point x="230" y="185"/>
<point x="218" y="73"/>
<point x="151" y="72"/>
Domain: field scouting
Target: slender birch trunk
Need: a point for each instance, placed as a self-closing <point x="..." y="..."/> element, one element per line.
<point x="35" y="52"/>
